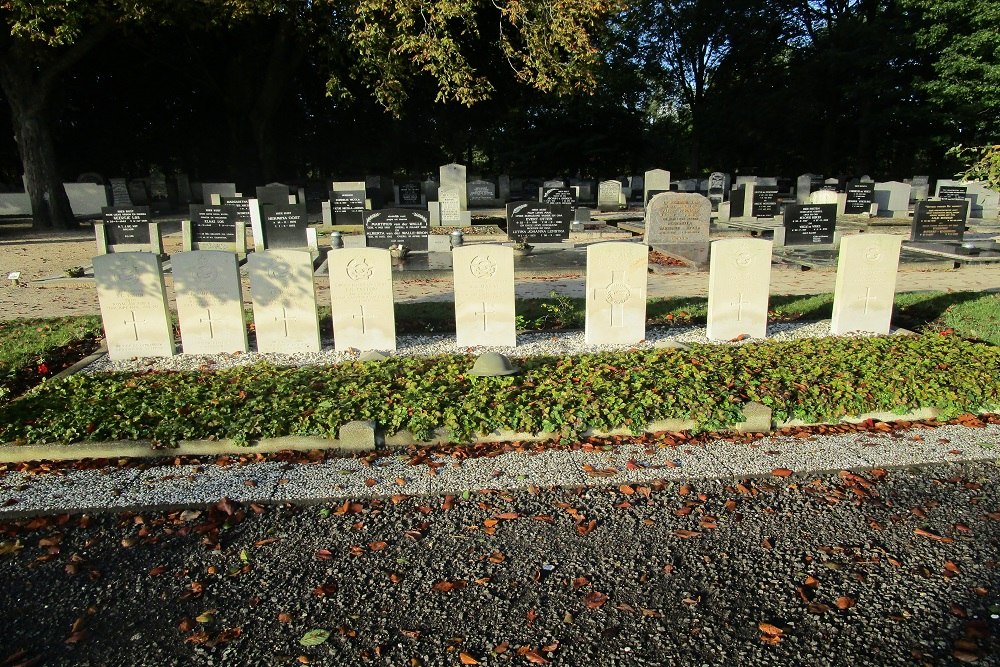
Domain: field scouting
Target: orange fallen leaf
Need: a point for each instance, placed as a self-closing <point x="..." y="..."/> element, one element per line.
<point x="535" y="659"/>
<point x="770" y="629"/>
<point x="595" y="599"/>
<point x="932" y="536"/>
<point x="685" y="534"/>
<point x="844" y="602"/>
<point x="467" y="659"/>
<point x="782" y="472"/>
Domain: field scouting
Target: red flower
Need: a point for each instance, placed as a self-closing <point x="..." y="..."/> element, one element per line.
<point x="42" y="369"/>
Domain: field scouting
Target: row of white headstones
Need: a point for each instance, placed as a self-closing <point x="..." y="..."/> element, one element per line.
<point x="133" y="297"/>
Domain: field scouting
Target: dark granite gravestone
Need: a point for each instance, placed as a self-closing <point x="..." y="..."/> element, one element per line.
<point x="952" y="192"/>
<point x="393" y="226"/>
<point x="939" y="220"/>
<point x="409" y="193"/>
<point x="481" y="192"/>
<point x="119" y="193"/>
<point x="809" y="224"/>
<point x="765" y="201"/>
<point x="347" y="207"/>
<point x="285" y="226"/>
<point x="558" y="196"/>
<point x="126" y="225"/>
<point x="652" y="193"/>
<point x="240" y="207"/>
<point x="213" y="224"/>
<point x="737" y="202"/>
<point x="538" y="223"/>
<point x="859" y="198"/>
<point x="273" y="194"/>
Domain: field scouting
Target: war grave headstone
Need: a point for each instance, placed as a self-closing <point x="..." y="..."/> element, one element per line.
<point x="866" y="283"/>
<point x="807" y="224"/>
<point x="213" y="228"/>
<point x="609" y="195"/>
<point x="616" y="293"/>
<point x="481" y="193"/>
<point x="951" y="192"/>
<point x="284" y="301"/>
<point x="454" y="176"/>
<point x="558" y="195"/>
<point x="738" y="288"/>
<point x="220" y="189"/>
<point x="287" y="227"/>
<point x="119" y="193"/>
<point x="361" y="295"/>
<point x="127" y="229"/>
<point x="397" y="226"/>
<point x="893" y="199"/>
<point x="860" y="197"/>
<point x="133" y="301"/>
<point x="534" y="222"/>
<point x="273" y="194"/>
<point x="209" y="302"/>
<point x="410" y="194"/>
<point x="765" y="201"/>
<point x="484" y="295"/>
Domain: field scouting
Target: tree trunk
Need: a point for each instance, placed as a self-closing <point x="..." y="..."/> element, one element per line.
<point x="50" y="207"/>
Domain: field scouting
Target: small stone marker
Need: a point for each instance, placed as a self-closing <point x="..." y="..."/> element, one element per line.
<point x="809" y="224"/>
<point x="361" y="296"/>
<point x="284" y="301"/>
<point x="538" y="223"/>
<point x="209" y="302"/>
<point x="133" y="302"/>
<point x="616" y="293"/>
<point x="397" y="226"/>
<point x="942" y="220"/>
<point x="866" y="283"/>
<point x="738" y="287"/>
<point x="609" y="196"/>
<point x="677" y="217"/>
<point x="484" y="295"/>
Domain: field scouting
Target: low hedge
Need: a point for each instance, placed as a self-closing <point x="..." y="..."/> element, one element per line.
<point x="814" y="380"/>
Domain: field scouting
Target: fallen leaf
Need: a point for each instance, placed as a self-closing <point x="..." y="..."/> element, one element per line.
<point x="284" y="617"/>
<point x="844" y="602"/>
<point x="595" y="599"/>
<point x="932" y="536"/>
<point x="535" y="659"/>
<point x="467" y="659"/>
<point x="770" y="629"/>
<point x="782" y="472"/>
<point x="315" y="637"/>
<point x="685" y="534"/>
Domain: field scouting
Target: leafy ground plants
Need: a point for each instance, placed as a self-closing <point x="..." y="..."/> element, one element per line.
<point x="31" y="350"/>
<point x="812" y="380"/>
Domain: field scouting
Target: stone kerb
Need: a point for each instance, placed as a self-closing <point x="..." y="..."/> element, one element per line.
<point x="361" y="299"/>
<point x="484" y="295"/>
<point x="616" y="293"/>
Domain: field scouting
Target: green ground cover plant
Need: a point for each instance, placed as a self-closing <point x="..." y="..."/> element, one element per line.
<point x="813" y="380"/>
<point x="36" y="348"/>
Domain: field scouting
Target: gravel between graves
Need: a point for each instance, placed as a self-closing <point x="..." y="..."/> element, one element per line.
<point x="528" y="344"/>
<point x="885" y="568"/>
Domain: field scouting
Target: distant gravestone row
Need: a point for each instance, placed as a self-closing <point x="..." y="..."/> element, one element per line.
<point x="133" y="296"/>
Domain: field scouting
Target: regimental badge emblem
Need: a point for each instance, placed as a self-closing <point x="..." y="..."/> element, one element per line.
<point x="359" y="269"/>
<point x="483" y="267"/>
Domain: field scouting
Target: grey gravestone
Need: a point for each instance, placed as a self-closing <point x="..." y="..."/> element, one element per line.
<point x="395" y="226"/>
<point x="676" y="218"/>
<point x="454" y="176"/>
<point x="285" y="226"/>
<point x="133" y="302"/>
<point x="273" y="194"/>
<point x="810" y="224"/>
<point x="609" y="195"/>
<point x="860" y="197"/>
<point x="221" y="189"/>
<point x="481" y="192"/>
<point x="284" y="301"/>
<point x="893" y="198"/>
<point x="939" y="220"/>
<point x="119" y="192"/>
<point x="183" y="189"/>
<point x="209" y="302"/>
<point x="137" y="192"/>
<point x="717" y="189"/>
<point x="538" y="223"/>
<point x="451" y="205"/>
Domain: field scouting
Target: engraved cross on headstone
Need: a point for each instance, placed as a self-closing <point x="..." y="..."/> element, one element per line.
<point x="283" y="319"/>
<point x="211" y="329"/>
<point x="135" y="326"/>
<point x="617" y="293"/>
<point x="484" y="312"/>
<point x="867" y="298"/>
<point x="739" y="307"/>
<point x="360" y="317"/>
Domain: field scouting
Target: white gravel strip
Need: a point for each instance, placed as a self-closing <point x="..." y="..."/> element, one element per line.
<point x="75" y="490"/>
<point x="528" y="345"/>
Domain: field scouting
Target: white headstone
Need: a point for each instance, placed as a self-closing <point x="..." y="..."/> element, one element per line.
<point x="656" y="179"/>
<point x="616" y="293"/>
<point x="738" y="287"/>
<point x="133" y="302"/>
<point x="455" y="176"/>
<point x="824" y="197"/>
<point x="284" y="301"/>
<point x="677" y="217"/>
<point x="866" y="283"/>
<point x="209" y="302"/>
<point x="609" y="195"/>
<point x="450" y="201"/>
<point x="484" y="295"/>
<point x="361" y="295"/>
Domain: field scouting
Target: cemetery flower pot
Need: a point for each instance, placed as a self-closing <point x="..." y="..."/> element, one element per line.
<point x="399" y="252"/>
<point x="522" y="249"/>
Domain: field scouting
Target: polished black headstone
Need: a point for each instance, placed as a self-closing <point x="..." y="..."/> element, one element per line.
<point x="939" y="220"/>
<point x="285" y="226"/>
<point x="859" y="198"/>
<point x="393" y="226"/>
<point x="765" y="201"/>
<point x="538" y="223"/>
<point x="213" y="224"/>
<point x="810" y="224"/>
<point x="126" y="224"/>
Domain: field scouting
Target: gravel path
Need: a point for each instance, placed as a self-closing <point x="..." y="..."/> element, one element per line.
<point x="893" y="567"/>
